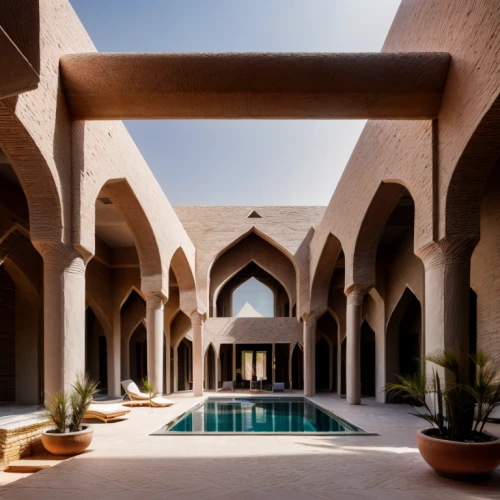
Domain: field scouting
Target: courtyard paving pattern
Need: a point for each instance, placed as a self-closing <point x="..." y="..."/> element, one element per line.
<point x="125" y="463"/>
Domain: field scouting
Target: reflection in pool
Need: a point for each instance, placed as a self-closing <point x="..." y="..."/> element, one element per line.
<point x="258" y="415"/>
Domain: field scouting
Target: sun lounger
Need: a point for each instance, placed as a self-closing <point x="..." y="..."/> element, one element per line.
<point x="107" y="413"/>
<point x="279" y="387"/>
<point x="138" y="398"/>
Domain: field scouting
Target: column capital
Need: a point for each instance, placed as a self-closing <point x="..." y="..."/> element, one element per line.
<point x="356" y="294"/>
<point x="61" y="257"/>
<point x="154" y="300"/>
<point x="310" y="316"/>
<point x="197" y="317"/>
<point x="450" y="250"/>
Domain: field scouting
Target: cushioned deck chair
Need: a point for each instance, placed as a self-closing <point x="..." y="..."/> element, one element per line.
<point x="228" y="385"/>
<point x="279" y="387"/>
<point x="107" y="413"/>
<point x="138" y="398"/>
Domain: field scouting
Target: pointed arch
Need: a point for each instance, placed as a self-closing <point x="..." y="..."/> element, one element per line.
<point x="461" y="213"/>
<point x="99" y="314"/>
<point x="186" y="282"/>
<point x="153" y="277"/>
<point x="49" y="210"/>
<point x="253" y="246"/>
<point x="233" y="272"/>
<point x="268" y="240"/>
<point x="361" y="267"/>
<point x="404" y="341"/>
<point x="325" y="267"/>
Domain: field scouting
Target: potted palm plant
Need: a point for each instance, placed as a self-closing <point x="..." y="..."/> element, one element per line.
<point x="69" y="436"/>
<point x="456" y="445"/>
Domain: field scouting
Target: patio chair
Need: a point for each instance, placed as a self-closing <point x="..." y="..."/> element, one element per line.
<point x="228" y="385"/>
<point x="138" y="398"/>
<point x="107" y="413"/>
<point x="279" y="387"/>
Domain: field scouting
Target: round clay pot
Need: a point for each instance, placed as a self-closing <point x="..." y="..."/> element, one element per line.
<point x="69" y="443"/>
<point x="459" y="460"/>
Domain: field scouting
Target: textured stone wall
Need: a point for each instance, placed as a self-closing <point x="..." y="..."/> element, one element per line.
<point x="251" y="330"/>
<point x="485" y="269"/>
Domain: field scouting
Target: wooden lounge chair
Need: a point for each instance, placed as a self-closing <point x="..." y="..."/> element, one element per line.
<point x="138" y="398"/>
<point x="107" y="413"/>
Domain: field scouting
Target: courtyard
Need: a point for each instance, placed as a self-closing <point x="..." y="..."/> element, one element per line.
<point x="124" y="462"/>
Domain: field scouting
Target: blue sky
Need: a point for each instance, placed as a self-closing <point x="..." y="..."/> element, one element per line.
<point x="242" y="162"/>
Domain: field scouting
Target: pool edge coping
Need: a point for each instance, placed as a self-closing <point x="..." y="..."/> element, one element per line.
<point x="197" y="404"/>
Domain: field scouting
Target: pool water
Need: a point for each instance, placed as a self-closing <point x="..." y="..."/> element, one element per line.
<point x="258" y="415"/>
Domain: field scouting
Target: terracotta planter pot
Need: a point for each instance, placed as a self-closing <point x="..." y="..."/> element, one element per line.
<point x="459" y="460"/>
<point x="69" y="443"/>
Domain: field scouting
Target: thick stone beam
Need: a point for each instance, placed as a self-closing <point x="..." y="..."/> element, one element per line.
<point x="16" y="73"/>
<point x="121" y="86"/>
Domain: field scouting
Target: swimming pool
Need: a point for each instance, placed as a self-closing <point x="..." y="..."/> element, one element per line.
<point x="258" y="416"/>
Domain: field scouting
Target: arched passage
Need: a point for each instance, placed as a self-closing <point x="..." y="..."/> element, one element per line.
<point x="182" y="352"/>
<point x="404" y="341"/>
<point x="324" y="274"/>
<point x="326" y="353"/>
<point x="252" y="248"/>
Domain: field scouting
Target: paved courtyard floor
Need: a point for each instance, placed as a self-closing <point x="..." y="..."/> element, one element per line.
<point x="125" y="463"/>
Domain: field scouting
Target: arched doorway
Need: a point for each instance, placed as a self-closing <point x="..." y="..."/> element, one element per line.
<point x="323" y="366"/>
<point x="138" y="352"/>
<point x="210" y="369"/>
<point x="96" y="360"/>
<point x="404" y="340"/>
<point x="185" y="365"/>
<point x="298" y="368"/>
<point x="367" y="360"/>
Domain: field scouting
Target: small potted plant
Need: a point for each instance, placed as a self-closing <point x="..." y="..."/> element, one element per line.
<point x="69" y="436"/>
<point x="456" y="445"/>
<point x="146" y="385"/>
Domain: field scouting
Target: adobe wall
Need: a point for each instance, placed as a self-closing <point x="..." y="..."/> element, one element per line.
<point x="214" y="229"/>
<point x="251" y="330"/>
<point x="485" y="269"/>
<point x="402" y="151"/>
<point x="97" y="152"/>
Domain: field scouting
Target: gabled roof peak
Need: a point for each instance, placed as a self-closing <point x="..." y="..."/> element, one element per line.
<point x="254" y="215"/>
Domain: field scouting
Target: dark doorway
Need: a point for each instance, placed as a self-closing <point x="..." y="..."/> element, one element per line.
<point x="322" y="365"/>
<point x="297" y="368"/>
<point x="367" y="360"/>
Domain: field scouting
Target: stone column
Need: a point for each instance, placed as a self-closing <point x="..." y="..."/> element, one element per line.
<point x="310" y="354"/>
<point x="447" y="293"/>
<point x="64" y="315"/>
<point x="355" y="298"/>
<point x="197" y="325"/>
<point x="168" y="361"/>
<point x="154" y="327"/>
<point x="114" y="354"/>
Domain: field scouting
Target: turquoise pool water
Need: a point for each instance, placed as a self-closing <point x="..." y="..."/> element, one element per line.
<point x="257" y="415"/>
